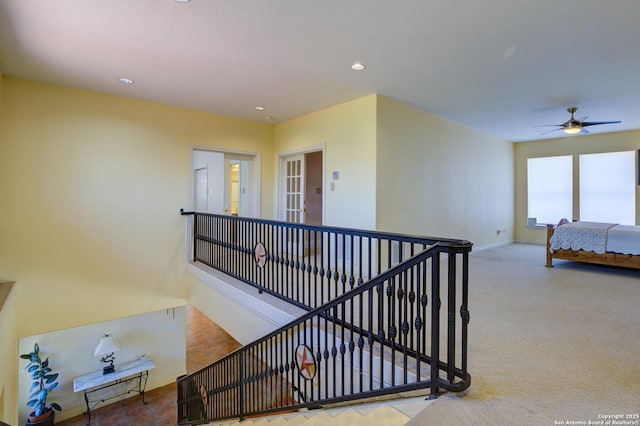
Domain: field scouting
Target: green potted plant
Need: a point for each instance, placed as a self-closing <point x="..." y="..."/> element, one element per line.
<point x="44" y="381"/>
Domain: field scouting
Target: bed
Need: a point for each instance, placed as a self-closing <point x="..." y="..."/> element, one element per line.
<point x="594" y="242"/>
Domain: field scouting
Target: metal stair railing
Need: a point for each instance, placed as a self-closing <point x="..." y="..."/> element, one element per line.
<point x="304" y="265"/>
<point x="385" y="335"/>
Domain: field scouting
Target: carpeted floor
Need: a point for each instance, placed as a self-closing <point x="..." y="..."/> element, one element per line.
<point x="548" y="346"/>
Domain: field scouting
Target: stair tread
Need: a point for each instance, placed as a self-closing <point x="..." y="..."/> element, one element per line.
<point x="389" y="413"/>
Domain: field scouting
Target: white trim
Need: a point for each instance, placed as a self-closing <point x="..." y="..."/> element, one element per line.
<point x="222" y="283"/>
<point x="492" y="246"/>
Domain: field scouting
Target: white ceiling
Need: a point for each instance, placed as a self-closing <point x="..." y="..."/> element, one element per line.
<point x="498" y="66"/>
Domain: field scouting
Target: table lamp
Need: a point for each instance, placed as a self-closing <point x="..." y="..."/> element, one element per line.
<point x="105" y="349"/>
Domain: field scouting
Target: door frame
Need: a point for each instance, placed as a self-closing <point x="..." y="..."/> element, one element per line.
<point x="280" y="158"/>
<point x="254" y="198"/>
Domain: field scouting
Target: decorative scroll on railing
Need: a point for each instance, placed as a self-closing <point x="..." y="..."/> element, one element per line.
<point x="389" y="316"/>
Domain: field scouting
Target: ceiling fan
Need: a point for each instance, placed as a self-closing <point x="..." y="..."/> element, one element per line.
<point x="573" y="126"/>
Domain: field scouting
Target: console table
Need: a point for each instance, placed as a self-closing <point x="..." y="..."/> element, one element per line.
<point x="98" y="387"/>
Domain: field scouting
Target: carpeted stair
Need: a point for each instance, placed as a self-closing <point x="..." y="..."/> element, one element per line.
<point x="388" y="413"/>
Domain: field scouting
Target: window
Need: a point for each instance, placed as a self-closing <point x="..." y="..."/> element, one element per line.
<point x="606" y="182"/>
<point x="607" y="187"/>
<point x="550" y="189"/>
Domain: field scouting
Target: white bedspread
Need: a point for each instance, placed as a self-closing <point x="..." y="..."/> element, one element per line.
<point x="587" y="236"/>
<point x="624" y="239"/>
<point x="596" y="237"/>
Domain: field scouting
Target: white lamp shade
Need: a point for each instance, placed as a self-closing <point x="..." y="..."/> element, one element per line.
<point x="106" y="346"/>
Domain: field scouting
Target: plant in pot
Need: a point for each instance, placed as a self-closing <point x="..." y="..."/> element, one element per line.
<point x="44" y="381"/>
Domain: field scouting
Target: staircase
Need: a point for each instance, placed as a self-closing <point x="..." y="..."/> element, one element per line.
<point x="396" y="412"/>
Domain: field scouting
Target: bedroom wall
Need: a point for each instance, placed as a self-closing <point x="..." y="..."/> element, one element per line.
<point x="570" y="145"/>
<point x="348" y="133"/>
<point x="439" y="178"/>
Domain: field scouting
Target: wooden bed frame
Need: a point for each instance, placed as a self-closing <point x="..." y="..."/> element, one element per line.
<point x="611" y="259"/>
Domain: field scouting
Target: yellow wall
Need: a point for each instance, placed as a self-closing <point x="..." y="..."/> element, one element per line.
<point x="91" y="186"/>
<point x="8" y="350"/>
<point x="439" y="178"/>
<point x="402" y="169"/>
<point x="348" y="133"/>
<point x="570" y="145"/>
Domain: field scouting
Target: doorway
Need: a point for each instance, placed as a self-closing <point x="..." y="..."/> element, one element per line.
<point x="301" y="188"/>
<point x="301" y="198"/>
<point x="225" y="183"/>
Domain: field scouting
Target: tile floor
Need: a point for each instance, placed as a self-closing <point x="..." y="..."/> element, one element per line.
<point x="206" y="342"/>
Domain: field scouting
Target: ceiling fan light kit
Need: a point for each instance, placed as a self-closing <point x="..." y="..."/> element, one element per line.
<point x="573" y="130"/>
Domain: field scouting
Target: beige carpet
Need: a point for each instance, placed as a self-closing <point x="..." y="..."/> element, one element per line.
<point x="547" y="345"/>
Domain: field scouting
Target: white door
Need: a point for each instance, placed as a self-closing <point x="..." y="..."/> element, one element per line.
<point x="201" y="179"/>
<point x="237" y="184"/>
<point x="224" y="183"/>
<point x="292" y="201"/>
<point x="292" y="206"/>
<point x="209" y="182"/>
<point x="301" y="176"/>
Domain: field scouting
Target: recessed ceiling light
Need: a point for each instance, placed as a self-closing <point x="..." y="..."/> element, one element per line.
<point x="259" y="108"/>
<point x="358" y="67"/>
<point x="183" y="1"/>
<point x="268" y="118"/>
<point x="126" y="80"/>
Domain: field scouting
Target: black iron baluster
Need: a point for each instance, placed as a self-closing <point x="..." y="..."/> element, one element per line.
<point x="405" y="323"/>
<point x="391" y="324"/>
<point x="240" y="402"/>
<point x="315" y="270"/>
<point x="464" y="309"/>
<point x="325" y="353"/>
<point x="336" y="275"/>
<point x="451" y="314"/>
<point x="273" y="259"/>
<point x="435" y="325"/>
<point x="334" y="351"/>
<point x="380" y="318"/>
<point x="299" y="242"/>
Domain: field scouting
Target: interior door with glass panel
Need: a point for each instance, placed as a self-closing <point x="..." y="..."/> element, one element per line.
<point x="292" y="199"/>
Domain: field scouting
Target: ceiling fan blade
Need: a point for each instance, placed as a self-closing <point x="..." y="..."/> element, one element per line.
<point x="595" y="123"/>
<point x="584" y="131"/>
<point x="547" y="125"/>
<point x="550" y="131"/>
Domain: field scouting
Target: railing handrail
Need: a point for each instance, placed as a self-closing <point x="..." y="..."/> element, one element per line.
<point x="447" y="242"/>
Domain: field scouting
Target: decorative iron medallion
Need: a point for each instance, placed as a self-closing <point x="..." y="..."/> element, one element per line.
<point x="260" y="255"/>
<point x="306" y="362"/>
<point x="204" y="395"/>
